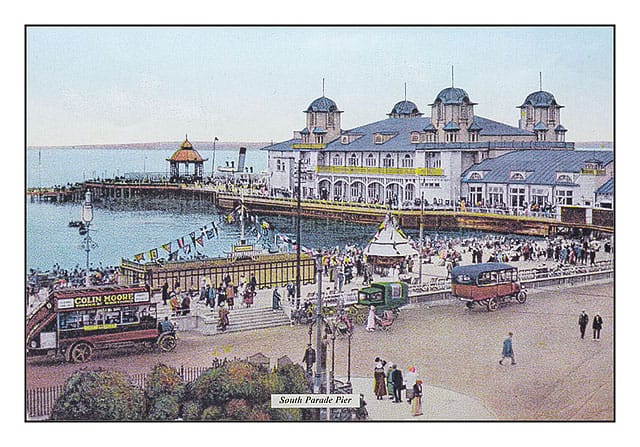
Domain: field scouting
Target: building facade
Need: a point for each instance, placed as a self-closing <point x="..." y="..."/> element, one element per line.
<point x="406" y="156"/>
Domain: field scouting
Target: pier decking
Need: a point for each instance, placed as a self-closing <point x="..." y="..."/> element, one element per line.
<point x="143" y="194"/>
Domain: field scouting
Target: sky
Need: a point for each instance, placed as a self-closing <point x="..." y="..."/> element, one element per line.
<point x="101" y="85"/>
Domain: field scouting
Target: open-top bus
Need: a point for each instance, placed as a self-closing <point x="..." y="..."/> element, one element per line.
<point x="488" y="284"/>
<point x="76" y="321"/>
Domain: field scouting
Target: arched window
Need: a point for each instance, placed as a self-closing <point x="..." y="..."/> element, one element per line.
<point x="564" y="178"/>
<point x="388" y="161"/>
<point x="407" y="161"/>
<point x="353" y="160"/>
<point x="517" y="176"/>
<point x="371" y="160"/>
<point x="475" y="176"/>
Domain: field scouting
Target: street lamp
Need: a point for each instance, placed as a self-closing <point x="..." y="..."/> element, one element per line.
<point x="87" y="244"/>
<point x="298" y="235"/>
<point x="421" y="245"/>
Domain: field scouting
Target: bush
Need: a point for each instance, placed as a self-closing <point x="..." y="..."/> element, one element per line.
<point x="165" y="407"/>
<point x="99" y="395"/>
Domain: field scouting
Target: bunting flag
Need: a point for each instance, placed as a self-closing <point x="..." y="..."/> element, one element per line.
<point x="187" y="249"/>
<point x="209" y="233"/>
<point x="193" y="237"/>
<point x="167" y="247"/>
<point x="266" y="225"/>
<point x="214" y="228"/>
<point x="200" y="241"/>
<point x="153" y="254"/>
<point x="180" y="243"/>
<point x="138" y="257"/>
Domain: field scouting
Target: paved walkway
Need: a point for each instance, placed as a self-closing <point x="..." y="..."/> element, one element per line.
<point x="438" y="404"/>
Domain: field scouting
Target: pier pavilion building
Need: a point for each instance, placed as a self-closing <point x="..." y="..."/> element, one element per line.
<point x="519" y="178"/>
<point x="186" y="163"/>
<point x="407" y="155"/>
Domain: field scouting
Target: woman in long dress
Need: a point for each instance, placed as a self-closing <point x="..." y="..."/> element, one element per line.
<point x="416" y="402"/>
<point x="379" y="379"/>
<point x="371" y="319"/>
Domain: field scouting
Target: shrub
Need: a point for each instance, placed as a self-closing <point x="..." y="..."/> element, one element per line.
<point x="99" y="395"/>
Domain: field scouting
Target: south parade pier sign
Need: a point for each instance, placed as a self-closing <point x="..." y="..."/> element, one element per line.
<point x="315" y="401"/>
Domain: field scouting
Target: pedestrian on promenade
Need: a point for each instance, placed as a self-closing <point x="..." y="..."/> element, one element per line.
<point x="583" y="320"/>
<point x="174" y="302"/>
<point x="248" y="296"/>
<point x="275" y="299"/>
<point x="253" y="283"/>
<point x="597" y="325"/>
<point x="223" y="317"/>
<point x="371" y="319"/>
<point x="309" y="358"/>
<point x="379" y="379"/>
<point x="398" y="383"/>
<point x="416" y="402"/>
<point x="230" y="295"/>
<point x="185" y="306"/>
<point x="410" y="379"/>
<point x="211" y="296"/>
<point x="389" y="381"/>
<point x="165" y="293"/>
<point x="222" y="297"/>
<point x="507" y="349"/>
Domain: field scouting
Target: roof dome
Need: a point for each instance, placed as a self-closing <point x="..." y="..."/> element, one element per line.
<point x="323" y="104"/>
<point x="405" y="108"/>
<point x="452" y="95"/>
<point x="186" y="153"/>
<point x="540" y="99"/>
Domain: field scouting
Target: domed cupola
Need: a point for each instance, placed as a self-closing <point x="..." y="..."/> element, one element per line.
<point x="540" y="99"/>
<point x="323" y="121"/>
<point x="452" y="96"/>
<point x="322" y="104"/>
<point x="452" y="113"/>
<point x="539" y="113"/>
<point x="404" y="109"/>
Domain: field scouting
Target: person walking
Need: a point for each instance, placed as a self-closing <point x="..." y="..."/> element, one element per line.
<point x="379" y="379"/>
<point x="309" y="358"/>
<point x="398" y="383"/>
<point x="597" y="325"/>
<point x="275" y="299"/>
<point x="416" y="402"/>
<point x="410" y="379"/>
<point x="583" y="320"/>
<point x="165" y="293"/>
<point x="371" y="319"/>
<point x="507" y="349"/>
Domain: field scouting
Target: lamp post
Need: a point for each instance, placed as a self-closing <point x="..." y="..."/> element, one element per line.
<point x="88" y="244"/>
<point x="421" y="245"/>
<point x="298" y="209"/>
<point x="318" y="376"/>
<point x="213" y="158"/>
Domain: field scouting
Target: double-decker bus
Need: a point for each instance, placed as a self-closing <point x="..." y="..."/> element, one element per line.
<point x="75" y="322"/>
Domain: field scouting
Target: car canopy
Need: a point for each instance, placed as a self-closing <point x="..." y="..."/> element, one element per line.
<point x="468" y="274"/>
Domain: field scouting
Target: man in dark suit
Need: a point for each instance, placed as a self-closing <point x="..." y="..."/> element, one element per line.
<point x="583" y="320"/>
<point x="397" y="381"/>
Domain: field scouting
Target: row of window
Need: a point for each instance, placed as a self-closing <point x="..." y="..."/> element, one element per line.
<point x="517" y="196"/>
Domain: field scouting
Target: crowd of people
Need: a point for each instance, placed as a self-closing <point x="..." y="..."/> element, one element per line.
<point x="59" y="277"/>
<point x="389" y="383"/>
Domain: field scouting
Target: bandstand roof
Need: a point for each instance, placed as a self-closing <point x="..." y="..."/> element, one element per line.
<point x="389" y="242"/>
<point x="186" y="154"/>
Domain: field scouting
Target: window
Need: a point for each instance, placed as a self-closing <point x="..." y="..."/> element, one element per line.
<point x="415" y="137"/>
<point x="475" y="176"/>
<point x="388" y="161"/>
<point x="564" y="178"/>
<point x="330" y="121"/>
<point x="353" y="160"/>
<point x="344" y="140"/>
<point x="517" y="197"/>
<point x="517" y="176"/>
<point x="564" y="197"/>
<point x="407" y="161"/>
<point x="475" y="195"/>
<point x="371" y="160"/>
<point x="473" y="136"/>
<point x="377" y="139"/>
<point x="337" y="160"/>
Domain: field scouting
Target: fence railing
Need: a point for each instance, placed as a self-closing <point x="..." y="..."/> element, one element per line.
<point x="40" y="401"/>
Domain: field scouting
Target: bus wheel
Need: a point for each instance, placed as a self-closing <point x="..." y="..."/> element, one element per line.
<point x="521" y="297"/>
<point x="167" y="342"/>
<point x="80" y="353"/>
<point x="492" y="305"/>
<point x="360" y="319"/>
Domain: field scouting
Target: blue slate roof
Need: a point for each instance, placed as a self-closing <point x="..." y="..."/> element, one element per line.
<point x="541" y="165"/>
<point x="452" y="95"/>
<point x="560" y="128"/>
<point x="405" y="108"/>
<point x="540" y="126"/>
<point x="451" y="126"/>
<point x="540" y="99"/>
<point x="304" y="131"/>
<point x="319" y="130"/>
<point x="322" y="104"/>
<point x="607" y="187"/>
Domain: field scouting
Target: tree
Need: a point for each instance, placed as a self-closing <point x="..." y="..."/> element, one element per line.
<point x="164" y="391"/>
<point x="99" y="395"/>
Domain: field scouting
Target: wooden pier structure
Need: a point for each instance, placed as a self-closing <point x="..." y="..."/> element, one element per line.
<point x="165" y="195"/>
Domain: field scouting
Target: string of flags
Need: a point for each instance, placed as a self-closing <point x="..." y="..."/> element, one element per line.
<point x="186" y="244"/>
<point x="264" y="232"/>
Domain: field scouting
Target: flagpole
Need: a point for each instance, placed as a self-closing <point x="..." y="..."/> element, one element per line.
<point x="213" y="159"/>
